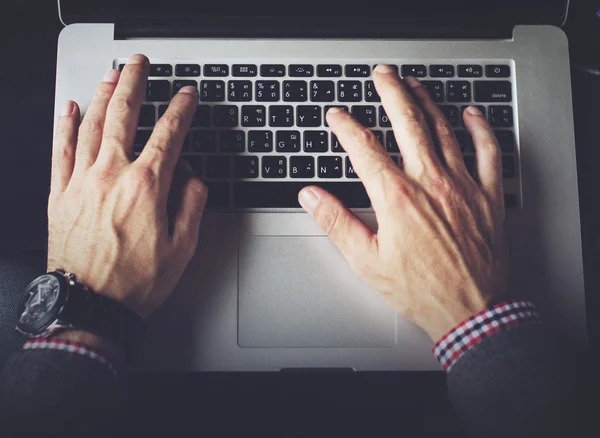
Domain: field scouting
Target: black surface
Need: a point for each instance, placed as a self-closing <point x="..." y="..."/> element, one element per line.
<point x="370" y="404"/>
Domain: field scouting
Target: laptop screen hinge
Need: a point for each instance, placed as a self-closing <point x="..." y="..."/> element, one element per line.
<point x="303" y="27"/>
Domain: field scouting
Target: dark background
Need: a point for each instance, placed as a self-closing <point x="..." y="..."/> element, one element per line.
<point x="380" y="404"/>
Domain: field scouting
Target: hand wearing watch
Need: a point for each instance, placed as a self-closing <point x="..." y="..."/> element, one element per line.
<point x="56" y="301"/>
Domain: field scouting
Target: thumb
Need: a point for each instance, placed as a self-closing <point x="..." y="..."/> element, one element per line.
<point x="189" y="214"/>
<point x="352" y="237"/>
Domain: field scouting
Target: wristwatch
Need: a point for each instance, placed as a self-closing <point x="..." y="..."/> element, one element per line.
<point x="56" y="301"/>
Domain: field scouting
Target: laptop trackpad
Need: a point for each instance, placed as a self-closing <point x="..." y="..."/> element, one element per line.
<point x="300" y="292"/>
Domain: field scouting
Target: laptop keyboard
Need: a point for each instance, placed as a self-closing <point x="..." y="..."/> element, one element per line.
<point x="259" y="134"/>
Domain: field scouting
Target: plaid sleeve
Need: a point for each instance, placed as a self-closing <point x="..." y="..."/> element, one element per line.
<point x="70" y="347"/>
<point x="472" y="331"/>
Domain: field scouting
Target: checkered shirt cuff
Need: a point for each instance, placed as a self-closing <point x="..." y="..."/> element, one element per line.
<point x="474" y="330"/>
<point x="70" y="347"/>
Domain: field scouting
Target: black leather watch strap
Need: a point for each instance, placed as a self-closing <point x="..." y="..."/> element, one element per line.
<point x="89" y="311"/>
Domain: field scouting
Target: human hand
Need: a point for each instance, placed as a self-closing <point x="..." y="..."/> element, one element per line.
<point x="440" y="253"/>
<point x="127" y="229"/>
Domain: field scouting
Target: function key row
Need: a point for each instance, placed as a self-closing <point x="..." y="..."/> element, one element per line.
<point x="326" y="70"/>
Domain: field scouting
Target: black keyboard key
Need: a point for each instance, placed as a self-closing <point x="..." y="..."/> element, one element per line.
<point x="274" y="167"/>
<point x="358" y="71"/>
<point x="379" y="136"/>
<point x="244" y="70"/>
<point x="285" y="194"/>
<point x="470" y="71"/>
<point x="350" y="172"/>
<point x="384" y="120"/>
<point x="162" y="109"/>
<point x="218" y="166"/>
<point x="322" y="91"/>
<point x="147" y="116"/>
<point x="508" y="167"/>
<point x="365" y="114"/>
<point x="178" y="85"/>
<point x="329" y="70"/>
<point x="436" y="90"/>
<point x="329" y="167"/>
<point x="233" y="141"/>
<point x="260" y="141"/>
<point x="287" y="141"/>
<point x="462" y="112"/>
<point x="301" y="70"/>
<point x="349" y="91"/>
<point x="302" y="167"/>
<point x="218" y="195"/>
<point x="391" y="145"/>
<point x="416" y="70"/>
<point x="497" y="71"/>
<point x="295" y="91"/>
<point x="216" y="70"/>
<point x="254" y="115"/>
<point x="451" y="113"/>
<point x="161" y="70"/>
<point x="267" y="91"/>
<point x="281" y="116"/>
<point x="465" y="142"/>
<point x="187" y="70"/>
<point x="197" y="164"/>
<point x="212" y="91"/>
<point x="371" y="94"/>
<point x="239" y="91"/>
<point x="308" y="116"/>
<point x="327" y="107"/>
<point x="204" y="141"/>
<point x="336" y="146"/>
<point x="272" y="70"/>
<point x="470" y="164"/>
<point x="201" y="118"/>
<point x="510" y="201"/>
<point x="246" y="167"/>
<point x="441" y="71"/>
<point x="141" y="138"/>
<point x="316" y="141"/>
<point x="226" y="116"/>
<point x="493" y="91"/>
<point x="506" y="140"/>
<point x="458" y="91"/>
<point x="501" y="116"/>
<point x="158" y="91"/>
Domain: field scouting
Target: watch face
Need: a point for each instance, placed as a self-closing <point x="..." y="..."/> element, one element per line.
<point x="41" y="303"/>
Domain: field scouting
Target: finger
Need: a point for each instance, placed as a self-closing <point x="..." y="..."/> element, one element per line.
<point x="440" y="127"/>
<point x="189" y="214"/>
<point x="65" y="144"/>
<point x="487" y="155"/>
<point x="352" y="237"/>
<point x="408" y="122"/>
<point x="92" y="126"/>
<point x="164" y="147"/>
<point x="123" y="112"/>
<point x="370" y="160"/>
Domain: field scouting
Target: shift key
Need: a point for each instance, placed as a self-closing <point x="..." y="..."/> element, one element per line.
<point x="493" y="91"/>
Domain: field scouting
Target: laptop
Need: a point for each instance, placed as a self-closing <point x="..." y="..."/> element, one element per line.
<point x="266" y="290"/>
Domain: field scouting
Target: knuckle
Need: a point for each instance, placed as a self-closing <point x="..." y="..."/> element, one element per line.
<point x="441" y="186"/>
<point x="198" y="186"/>
<point x="141" y="179"/>
<point x="443" y="130"/>
<point x="362" y="135"/>
<point x="122" y="104"/>
<point x="413" y="115"/>
<point x="329" y="218"/>
<point x="91" y="125"/>
<point x="399" y="193"/>
<point x="489" y="147"/>
<point x="171" y="123"/>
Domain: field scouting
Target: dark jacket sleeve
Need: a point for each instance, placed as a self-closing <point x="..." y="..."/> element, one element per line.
<point x="49" y="390"/>
<point x="515" y="383"/>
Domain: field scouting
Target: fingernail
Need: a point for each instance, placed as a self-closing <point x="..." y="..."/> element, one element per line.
<point x="67" y="109"/>
<point x="137" y="59"/>
<point x="308" y="200"/>
<point x="189" y="89"/>
<point x="473" y="110"/>
<point x="383" y="69"/>
<point x="334" y="110"/>
<point x="412" y="81"/>
<point x="111" y="76"/>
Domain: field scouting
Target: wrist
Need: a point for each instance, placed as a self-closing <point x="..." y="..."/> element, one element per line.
<point x="97" y="343"/>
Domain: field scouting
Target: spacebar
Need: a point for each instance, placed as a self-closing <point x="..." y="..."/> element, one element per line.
<point x="285" y="194"/>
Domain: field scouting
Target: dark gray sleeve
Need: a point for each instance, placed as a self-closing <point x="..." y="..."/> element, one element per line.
<point x="515" y="383"/>
<point x="58" y="389"/>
